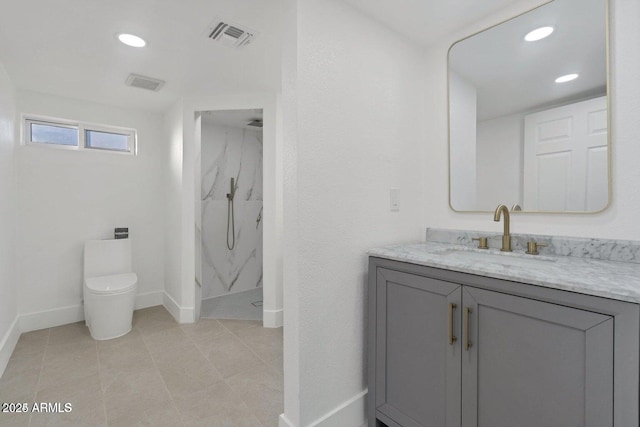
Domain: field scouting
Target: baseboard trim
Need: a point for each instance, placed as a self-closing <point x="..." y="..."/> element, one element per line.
<point x="283" y="421"/>
<point x="181" y="314"/>
<point x="351" y="413"/>
<point x="75" y="313"/>
<point x="51" y="318"/>
<point x="272" y="318"/>
<point x="149" y="299"/>
<point x="8" y="343"/>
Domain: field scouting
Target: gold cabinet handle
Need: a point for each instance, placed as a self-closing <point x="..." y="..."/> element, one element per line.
<point x="452" y="338"/>
<point x="467" y="313"/>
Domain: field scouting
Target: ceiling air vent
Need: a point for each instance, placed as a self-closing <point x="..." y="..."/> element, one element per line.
<point x="144" y="82"/>
<point x="230" y="35"/>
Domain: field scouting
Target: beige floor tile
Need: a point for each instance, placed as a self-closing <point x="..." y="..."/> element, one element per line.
<point x="164" y="415"/>
<point x="133" y="394"/>
<point x="14" y="419"/>
<point x="229" y="355"/>
<point x="266" y="403"/>
<point x="228" y="417"/>
<point x="31" y="344"/>
<point x="203" y="329"/>
<point x="122" y="358"/>
<point x="160" y="342"/>
<point x="62" y="365"/>
<point x="276" y="364"/>
<point x="160" y="374"/>
<point x="21" y="376"/>
<point x="218" y="404"/>
<point x="236" y="325"/>
<point x="132" y="338"/>
<point x="186" y="370"/>
<point x="265" y="342"/>
<point x="62" y="351"/>
<point x="249" y="379"/>
<point x="167" y="416"/>
<point x="85" y="397"/>
<point x="71" y="333"/>
<point x="153" y="319"/>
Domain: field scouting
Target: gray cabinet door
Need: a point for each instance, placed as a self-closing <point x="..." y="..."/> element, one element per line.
<point x="535" y="364"/>
<point x="417" y="364"/>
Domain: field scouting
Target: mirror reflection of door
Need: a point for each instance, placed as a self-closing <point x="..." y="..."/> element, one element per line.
<point x="502" y="80"/>
<point x="565" y="157"/>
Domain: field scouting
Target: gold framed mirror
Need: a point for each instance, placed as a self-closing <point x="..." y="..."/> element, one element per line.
<point x="529" y="123"/>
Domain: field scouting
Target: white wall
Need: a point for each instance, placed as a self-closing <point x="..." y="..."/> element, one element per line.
<point x="231" y="152"/>
<point x="183" y="207"/>
<point x="353" y="109"/>
<point x="8" y="295"/>
<point x="499" y="171"/>
<point x="463" y="105"/>
<point x="65" y="197"/>
<point x="620" y="219"/>
<point x="172" y="209"/>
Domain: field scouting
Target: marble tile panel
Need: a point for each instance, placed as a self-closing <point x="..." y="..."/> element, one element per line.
<point x="226" y="153"/>
<point x="223" y="270"/>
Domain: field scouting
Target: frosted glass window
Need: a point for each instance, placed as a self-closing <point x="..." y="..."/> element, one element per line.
<point x="78" y="136"/>
<point x="107" y="140"/>
<point x="50" y="134"/>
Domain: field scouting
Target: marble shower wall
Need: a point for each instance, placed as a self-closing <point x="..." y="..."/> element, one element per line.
<point x="231" y="152"/>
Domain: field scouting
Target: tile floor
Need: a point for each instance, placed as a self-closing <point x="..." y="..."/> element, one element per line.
<point x="234" y="306"/>
<point x="215" y="373"/>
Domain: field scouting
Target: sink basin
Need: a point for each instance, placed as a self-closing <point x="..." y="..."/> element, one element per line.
<point x="507" y="259"/>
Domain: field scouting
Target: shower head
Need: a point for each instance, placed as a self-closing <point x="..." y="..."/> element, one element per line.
<point x="256" y="123"/>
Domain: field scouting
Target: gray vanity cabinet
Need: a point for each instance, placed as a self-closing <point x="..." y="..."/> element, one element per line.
<point x="418" y="370"/>
<point x="449" y="349"/>
<point x="533" y="363"/>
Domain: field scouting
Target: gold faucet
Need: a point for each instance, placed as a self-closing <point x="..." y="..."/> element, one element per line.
<point x="506" y="238"/>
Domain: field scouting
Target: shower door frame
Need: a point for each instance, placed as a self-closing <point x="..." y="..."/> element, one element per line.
<point x="272" y="199"/>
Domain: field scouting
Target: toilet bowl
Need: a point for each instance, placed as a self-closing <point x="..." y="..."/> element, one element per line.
<point x="109" y="288"/>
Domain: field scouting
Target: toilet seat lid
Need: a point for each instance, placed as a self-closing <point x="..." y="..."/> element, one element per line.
<point x="111" y="284"/>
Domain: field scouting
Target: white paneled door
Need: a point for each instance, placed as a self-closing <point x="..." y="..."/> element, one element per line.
<point x="565" y="158"/>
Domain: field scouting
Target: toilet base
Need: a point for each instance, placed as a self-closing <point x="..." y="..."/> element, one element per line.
<point x="109" y="316"/>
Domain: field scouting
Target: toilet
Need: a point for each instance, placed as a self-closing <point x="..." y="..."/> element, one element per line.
<point x="109" y="288"/>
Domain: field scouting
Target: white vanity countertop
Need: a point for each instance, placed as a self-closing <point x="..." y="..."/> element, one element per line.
<point x="609" y="279"/>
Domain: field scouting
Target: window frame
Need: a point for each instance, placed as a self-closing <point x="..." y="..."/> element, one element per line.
<point x="82" y="128"/>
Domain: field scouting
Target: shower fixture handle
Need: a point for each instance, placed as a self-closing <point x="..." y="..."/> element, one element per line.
<point x="231" y="223"/>
<point x="232" y="191"/>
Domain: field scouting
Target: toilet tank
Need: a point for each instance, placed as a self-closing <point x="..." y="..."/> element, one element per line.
<point x="106" y="257"/>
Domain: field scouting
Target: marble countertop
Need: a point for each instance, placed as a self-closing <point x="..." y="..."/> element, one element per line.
<point x="603" y="278"/>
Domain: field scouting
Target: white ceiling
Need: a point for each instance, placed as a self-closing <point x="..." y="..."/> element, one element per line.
<point x="69" y="48"/>
<point x="512" y="75"/>
<point x="426" y="21"/>
<point x="232" y="118"/>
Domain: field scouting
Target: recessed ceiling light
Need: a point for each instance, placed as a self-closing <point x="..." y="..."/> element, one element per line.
<point x="566" y="78"/>
<point x="131" y="40"/>
<point x="538" y="34"/>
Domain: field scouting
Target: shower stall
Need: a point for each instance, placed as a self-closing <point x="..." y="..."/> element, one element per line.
<point x="231" y="209"/>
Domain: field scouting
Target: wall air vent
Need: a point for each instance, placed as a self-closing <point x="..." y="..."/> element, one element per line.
<point x="229" y="34"/>
<point x="144" y="82"/>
